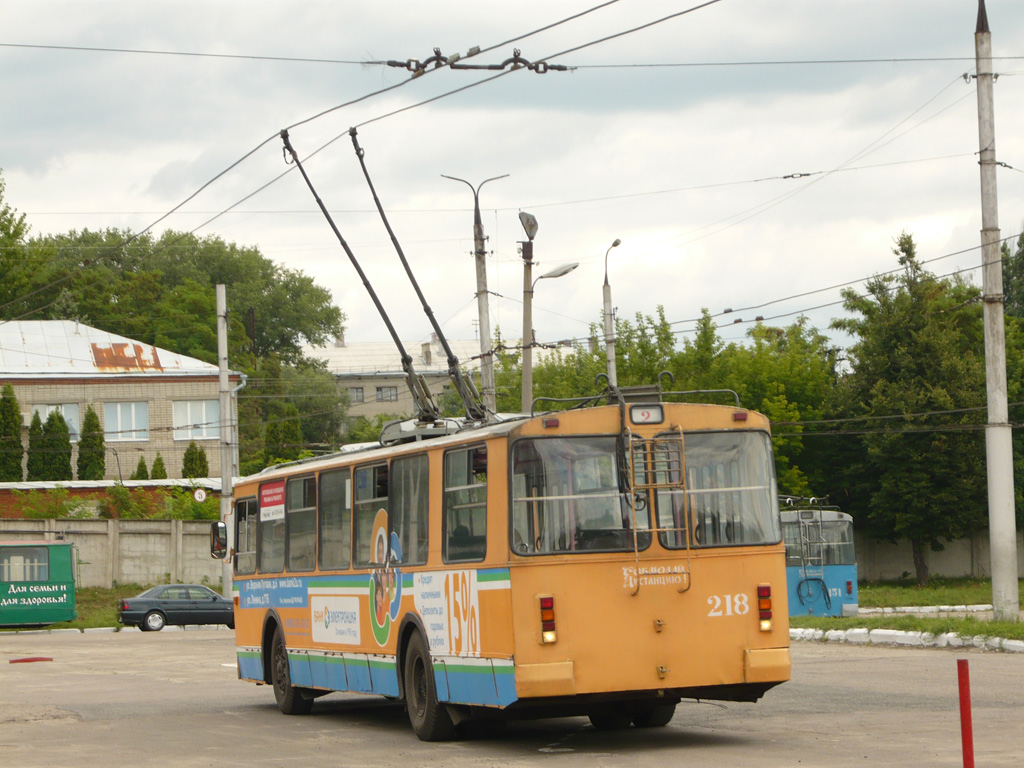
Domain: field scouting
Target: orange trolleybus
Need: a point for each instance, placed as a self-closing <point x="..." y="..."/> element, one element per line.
<point x="603" y="561"/>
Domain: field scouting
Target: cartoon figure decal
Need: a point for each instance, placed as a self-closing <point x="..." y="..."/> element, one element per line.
<point x="385" y="580"/>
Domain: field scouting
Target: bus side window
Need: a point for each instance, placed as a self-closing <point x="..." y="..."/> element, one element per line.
<point x="465" y="505"/>
<point x="300" y="507"/>
<point x="24" y="564"/>
<point x="409" y="496"/>
<point x="335" y="519"/>
<point x="245" y="536"/>
<point x="370" y="496"/>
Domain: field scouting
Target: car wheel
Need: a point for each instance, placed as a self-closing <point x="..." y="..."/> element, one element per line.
<point x="153" y="622"/>
<point x="654" y="716"/>
<point x="289" y="698"/>
<point x="429" y="718"/>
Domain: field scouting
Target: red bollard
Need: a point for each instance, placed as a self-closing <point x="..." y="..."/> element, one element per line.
<point x="966" y="728"/>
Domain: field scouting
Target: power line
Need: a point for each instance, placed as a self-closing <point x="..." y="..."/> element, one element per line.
<point x="190" y="54"/>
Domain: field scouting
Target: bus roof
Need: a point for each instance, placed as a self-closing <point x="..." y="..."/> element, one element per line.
<point x="34" y="543"/>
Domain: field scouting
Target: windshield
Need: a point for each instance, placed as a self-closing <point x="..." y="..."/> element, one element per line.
<point x="833" y="545"/>
<point x="565" y="498"/>
<point x="727" y="496"/>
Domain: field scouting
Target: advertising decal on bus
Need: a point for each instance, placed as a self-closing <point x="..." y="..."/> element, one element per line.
<point x="272" y="501"/>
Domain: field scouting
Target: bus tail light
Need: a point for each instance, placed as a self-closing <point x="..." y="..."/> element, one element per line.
<point x="849" y="587"/>
<point x="764" y="606"/>
<point x="547" y="619"/>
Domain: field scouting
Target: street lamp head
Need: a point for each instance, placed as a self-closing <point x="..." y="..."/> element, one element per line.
<point x="561" y="271"/>
<point x="529" y="222"/>
<point x="615" y="244"/>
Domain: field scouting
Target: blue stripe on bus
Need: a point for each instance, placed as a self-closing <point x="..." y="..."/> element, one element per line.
<point x="298" y="668"/>
<point x="441" y="681"/>
<point x="481" y="684"/>
<point x="384" y="675"/>
<point x="250" y="665"/>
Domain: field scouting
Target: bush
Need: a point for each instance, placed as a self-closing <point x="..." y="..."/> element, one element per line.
<point x="53" y="504"/>
<point x="126" y="504"/>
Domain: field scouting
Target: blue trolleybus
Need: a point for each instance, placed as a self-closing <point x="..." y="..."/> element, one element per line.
<point x="821" y="565"/>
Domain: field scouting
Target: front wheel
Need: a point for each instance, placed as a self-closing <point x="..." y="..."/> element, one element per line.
<point x="429" y="718"/>
<point x="153" y="622"/>
<point x="289" y="698"/>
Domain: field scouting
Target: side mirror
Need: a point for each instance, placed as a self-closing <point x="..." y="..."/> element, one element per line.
<point x="218" y="540"/>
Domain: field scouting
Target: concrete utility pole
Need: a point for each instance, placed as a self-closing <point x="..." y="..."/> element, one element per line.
<point x="483" y="310"/>
<point x="998" y="445"/>
<point x="609" y="320"/>
<point x="226" y="452"/>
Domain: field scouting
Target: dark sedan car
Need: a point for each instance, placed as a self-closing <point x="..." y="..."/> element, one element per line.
<point x="175" y="604"/>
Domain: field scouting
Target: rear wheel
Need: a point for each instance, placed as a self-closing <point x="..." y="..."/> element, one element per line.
<point x="429" y="718"/>
<point x="610" y="719"/>
<point x="153" y="622"/>
<point x="654" y="716"/>
<point x="289" y="698"/>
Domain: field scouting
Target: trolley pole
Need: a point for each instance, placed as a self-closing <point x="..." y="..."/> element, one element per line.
<point x="998" y="445"/>
<point x="226" y="452"/>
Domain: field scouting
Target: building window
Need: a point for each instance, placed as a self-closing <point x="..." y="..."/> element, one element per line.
<point x="68" y="410"/>
<point x="389" y="394"/>
<point x="196" y="419"/>
<point x="355" y="394"/>
<point x="126" y="421"/>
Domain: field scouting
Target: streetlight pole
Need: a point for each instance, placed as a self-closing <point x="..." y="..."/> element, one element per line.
<point x="609" y="320"/>
<point x="483" y="312"/>
<point x="528" y="287"/>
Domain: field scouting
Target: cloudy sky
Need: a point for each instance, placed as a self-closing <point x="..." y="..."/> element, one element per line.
<point x="747" y="153"/>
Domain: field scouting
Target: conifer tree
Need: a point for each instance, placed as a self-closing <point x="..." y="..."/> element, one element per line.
<point x="11" y="449"/>
<point x="56" y="448"/>
<point x="92" y="460"/>
<point x="36" y="457"/>
<point x="140" y="473"/>
<point x="194" y="463"/>
<point x="159" y="470"/>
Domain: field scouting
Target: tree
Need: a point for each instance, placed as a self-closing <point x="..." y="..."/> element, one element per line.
<point x="159" y="470"/>
<point x="12" y="225"/>
<point x="918" y="357"/>
<point x="92" y="453"/>
<point x="194" y="464"/>
<point x="56" y="448"/>
<point x="36" y="467"/>
<point x="140" y="473"/>
<point x="11" y="449"/>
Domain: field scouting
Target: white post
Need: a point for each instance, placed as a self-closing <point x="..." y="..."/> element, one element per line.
<point x="609" y="321"/>
<point x="226" y="452"/>
<point x="998" y="434"/>
<point x="527" y="394"/>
